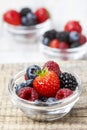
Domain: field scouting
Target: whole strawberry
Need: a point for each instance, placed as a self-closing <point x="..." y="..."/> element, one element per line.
<point x="12" y="17"/>
<point x="42" y="15"/>
<point x="52" y="66"/>
<point x="73" y="26"/>
<point x="47" y="83"/>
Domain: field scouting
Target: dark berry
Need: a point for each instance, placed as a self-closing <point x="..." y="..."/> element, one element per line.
<point x="62" y="36"/>
<point x="74" y="37"/>
<point x="31" y="71"/>
<point x="24" y="11"/>
<point x="51" y="100"/>
<point x="46" y="41"/>
<point x="28" y="93"/>
<point x="19" y="86"/>
<point x="75" y="44"/>
<point x="29" y="82"/>
<point x="63" y="93"/>
<point x="29" y="19"/>
<point x="67" y="80"/>
<point x="43" y="99"/>
<point x="51" y="34"/>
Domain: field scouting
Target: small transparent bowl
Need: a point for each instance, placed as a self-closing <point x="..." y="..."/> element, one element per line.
<point x="43" y="111"/>
<point x="63" y="54"/>
<point x="26" y="33"/>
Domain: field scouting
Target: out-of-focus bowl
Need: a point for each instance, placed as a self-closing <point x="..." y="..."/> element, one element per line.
<point x="24" y="33"/>
<point x="63" y="54"/>
<point x="43" y="111"/>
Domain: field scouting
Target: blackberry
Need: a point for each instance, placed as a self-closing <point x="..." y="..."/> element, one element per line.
<point x="63" y="36"/>
<point x="51" y="34"/>
<point x="67" y="80"/>
<point x="75" y="44"/>
<point x="24" y="11"/>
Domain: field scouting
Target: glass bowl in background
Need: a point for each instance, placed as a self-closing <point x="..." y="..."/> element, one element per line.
<point x="43" y="111"/>
<point x="24" y="33"/>
<point x="63" y="54"/>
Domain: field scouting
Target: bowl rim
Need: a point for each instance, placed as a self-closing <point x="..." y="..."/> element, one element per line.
<point x="75" y="94"/>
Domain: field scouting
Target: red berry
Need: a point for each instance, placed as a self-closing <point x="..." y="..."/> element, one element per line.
<point x="54" y="43"/>
<point x="28" y="93"/>
<point x="47" y="84"/>
<point x="12" y="17"/>
<point x="63" y="93"/>
<point x="63" y="45"/>
<point x="82" y="39"/>
<point x="42" y="15"/>
<point x="52" y="66"/>
<point x="25" y="77"/>
<point x="73" y="26"/>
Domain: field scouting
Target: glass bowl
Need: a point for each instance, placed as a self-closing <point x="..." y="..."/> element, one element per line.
<point x="26" y="34"/>
<point x="64" y="54"/>
<point x="43" y="111"/>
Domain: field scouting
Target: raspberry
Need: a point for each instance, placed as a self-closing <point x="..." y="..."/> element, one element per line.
<point x="52" y="66"/>
<point x="82" y="39"/>
<point x="62" y="36"/>
<point x="28" y="93"/>
<point x="63" y="93"/>
<point x="63" y="45"/>
<point x="67" y="80"/>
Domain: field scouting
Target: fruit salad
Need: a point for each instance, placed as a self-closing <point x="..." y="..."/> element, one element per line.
<point x="26" y="17"/>
<point x="46" y="84"/>
<point x="70" y="37"/>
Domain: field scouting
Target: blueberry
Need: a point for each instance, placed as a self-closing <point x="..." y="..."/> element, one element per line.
<point x="31" y="71"/>
<point x="75" y="44"/>
<point x="29" y="19"/>
<point x="24" y="11"/>
<point x="19" y="86"/>
<point x="74" y="37"/>
<point x="43" y="99"/>
<point x="51" y="100"/>
<point x="29" y="82"/>
<point x="46" y="41"/>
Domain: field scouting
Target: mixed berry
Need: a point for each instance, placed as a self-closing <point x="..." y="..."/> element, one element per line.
<point x="47" y="84"/>
<point x="70" y="37"/>
<point x="26" y="17"/>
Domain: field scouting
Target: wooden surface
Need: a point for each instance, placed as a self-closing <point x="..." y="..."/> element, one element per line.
<point x="12" y="118"/>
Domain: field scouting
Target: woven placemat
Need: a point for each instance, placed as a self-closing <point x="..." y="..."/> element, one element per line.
<point x="12" y="118"/>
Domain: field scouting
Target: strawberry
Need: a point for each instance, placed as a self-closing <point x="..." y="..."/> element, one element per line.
<point x="42" y="15"/>
<point x="12" y="17"/>
<point x="73" y="26"/>
<point x="47" y="83"/>
<point x="54" y="43"/>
